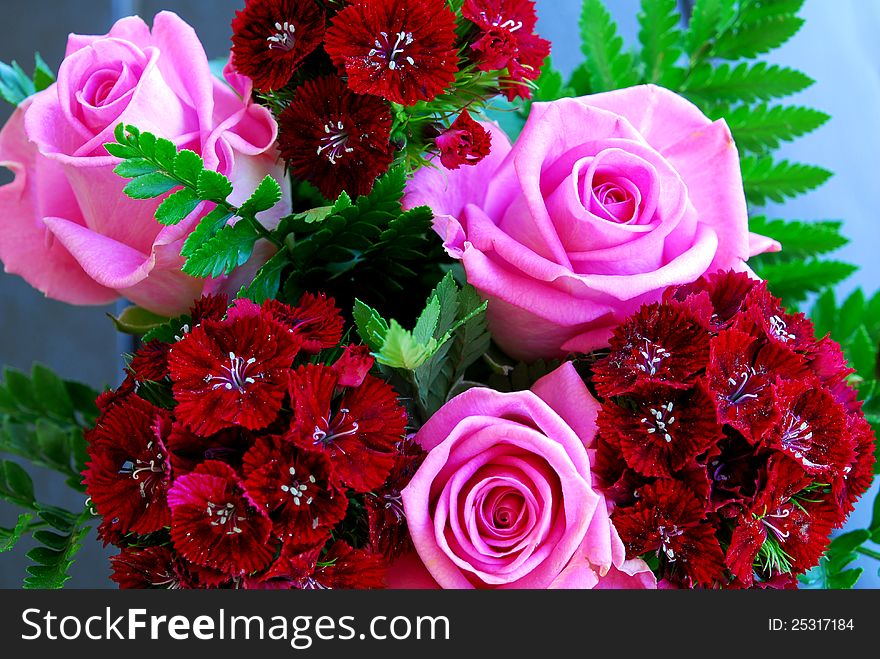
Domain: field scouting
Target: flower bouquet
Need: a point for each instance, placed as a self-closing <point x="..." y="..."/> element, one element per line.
<point x="383" y="341"/>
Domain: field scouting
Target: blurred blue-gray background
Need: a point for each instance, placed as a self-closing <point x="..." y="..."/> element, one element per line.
<point x="837" y="47"/>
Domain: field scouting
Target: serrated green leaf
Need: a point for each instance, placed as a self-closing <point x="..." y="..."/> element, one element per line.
<point x="850" y="317"/>
<point x="401" y="350"/>
<point x="427" y="322"/>
<point x="10" y="537"/>
<point x="608" y="66"/>
<point x="148" y="186"/>
<point x="53" y="562"/>
<point x="15" y="483"/>
<point x="748" y="40"/>
<point x="267" y="194"/>
<point x="230" y="248"/>
<point x="133" y="167"/>
<point x="766" y="180"/>
<point x="709" y="18"/>
<point x="746" y="82"/>
<point x="267" y="282"/>
<point x="146" y="142"/>
<point x="370" y="325"/>
<point x="213" y="186"/>
<point x="165" y="152"/>
<point x="800" y="239"/>
<point x="862" y="352"/>
<point x="137" y="320"/>
<point x="793" y="280"/>
<point x="121" y="150"/>
<point x="661" y="38"/>
<point x="762" y="128"/>
<point x="206" y="229"/>
<point x="177" y="206"/>
<point x="550" y="85"/>
<point x="188" y="165"/>
<point x="51" y="392"/>
<point x="824" y="313"/>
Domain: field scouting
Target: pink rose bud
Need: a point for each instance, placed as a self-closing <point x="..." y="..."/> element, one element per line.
<point x="465" y="142"/>
<point x="602" y="203"/>
<point x="68" y="229"/>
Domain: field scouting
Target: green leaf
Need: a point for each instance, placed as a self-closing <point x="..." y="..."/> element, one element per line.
<point x="401" y="350"/>
<point x="10" y="537"/>
<point x="15" y="84"/>
<point x="176" y="206"/>
<point x="15" y="483"/>
<point x="267" y="194"/>
<point x="43" y="75"/>
<point x="800" y="239"/>
<point x="188" y="165"/>
<point x="743" y="83"/>
<point x="51" y="392"/>
<point x="427" y="322"/>
<point x="845" y="580"/>
<point x="133" y="167"/>
<point x="765" y="180"/>
<point x="148" y="186"/>
<point x="213" y="186"/>
<point x="371" y="327"/>
<point x="762" y="128"/>
<point x="793" y="280"/>
<point x="230" y="248"/>
<point x="608" y="66"/>
<point x="268" y="279"/>
<point x="137" y="320"/>
<point x="850" y="316"/>
<point x="708" y="19"/>
<point x="20" y="388"/>
<point x="206" y="229"/>
<point x="847" y="542"/>
<point x="52" y="560"/>
<point x="661" y="38"/>
<point x="824" y="313"/>
<point x="748" y="40"/>
<point x="863" y="354"/>
<point x="550" y="85"/>
<point x="165" y="152"/>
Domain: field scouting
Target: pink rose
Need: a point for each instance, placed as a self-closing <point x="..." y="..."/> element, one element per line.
<point x="505" y="499"/>
<point x="67" y="228"/>
<point x="602" y="202"/>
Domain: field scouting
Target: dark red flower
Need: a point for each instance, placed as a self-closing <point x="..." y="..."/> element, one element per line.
<point x="315" y="320"/>
<point x="150" y="362"/>
<point x="465" y="142"/>
<point x="353" y="366"/>
<point x="507" y="41"/>
<point x="358" y="430"/>
<point x="231" y="373"/>
<point x="340" y="568"/>
<point x="272" y="37"/>
<point x="296" y="489"/>
<point x="188" y="450"/>
<point x="664" y="430"/>
<point x="742" y="370"/>
<point x="216" y="524"/>
<point x="857" y="476"/>
<point x="151" y="567"/>
<point x="334" y="138"/>
<point x="661" y="344"/>
<point x="812" y="428"/>
<point x="763" y="315"/>
<point x="401" y="50"/>
<point x="128" y="473"/>
<point x="736" y="471"/>
<point x="617" y="481"/>
<point x="828" y="362"/>
<point x="668" y="520"/>
<point x="727" y="291"/>
<point x="209" y="307"/>
<point x="389" y="535"/>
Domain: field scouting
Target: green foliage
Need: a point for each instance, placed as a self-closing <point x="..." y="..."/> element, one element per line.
<point x="607" y="65"/>
<point x="762" y="128"/>
<point x="661" y="38"/>
<point x="156" y="167"/>
<point x="793" y="280"/>
<point x="833" y="571"/>
<point x="137" y="320"/>
<point x="800" y="239"/>
<point x="16" y="85"/>
<point x="708" y="84"/>
<point x="58" y="543"/>
<point x="766" y="180"/>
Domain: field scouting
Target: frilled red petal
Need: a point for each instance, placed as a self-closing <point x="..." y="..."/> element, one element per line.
<point x="763" y="315"/>
<point x="316" y="321"/>
<point x="465" y="142"/>
<point x="128" y="475"/>
<point x="344" y="568"/>
<point x="150" y="362"/>
<point x="856" y="477"/>
<point x="215" y="524"/>
<point x="232" y="373"/>
<point x="662" y="344"/>
<point x="188" y="450"/>
<point x="209" y="307"/>
<point x="664" y="431"/>
<point x="353" y="366"/>
<point x="151" y="567"/>
<point x="335" y="139"/>
<point x="272" y="37"/>
<point x="296" y="489"/>
<point x="748" y="536"/>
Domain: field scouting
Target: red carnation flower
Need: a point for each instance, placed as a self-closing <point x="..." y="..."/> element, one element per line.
<point x="209" y="307"/>
<point x="272" y="37"/>
<point x="334" y="138"/>
<point x="358" y="430"/>
<point x="727" y="292"/>
<point x="188" y="450"/>
<point x="664" y="431"/>
<point x="465" y="142"/>
<point x="353" y="366"/>
<point x="764" y="316"/>
<point x="389" y="535"/>
<point x="401" y="50"/>
<point x="668" y="520"/>
<point x="340" y="568"/>
<point x="741" y="372"/>
<point x="812" y="428"/>
<point x="507" y="41"/>
<point x="857" y="476"/>
<point x="151" y="567"/>
<point x="150" y="362"/>
<point x="216" y="524"/>
<point x="315" y="320"/>
<point x="231" y="373"/>
<point x="295" y="487"/>
<point x="128" y="473"/>
<point x="662" y="344"/>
